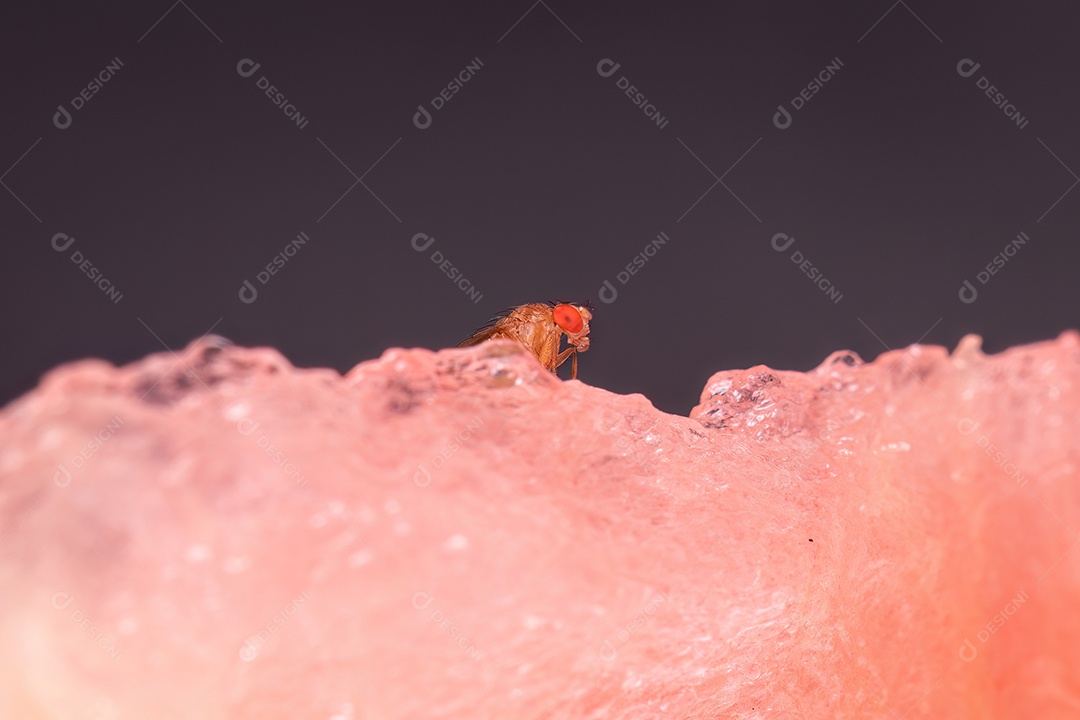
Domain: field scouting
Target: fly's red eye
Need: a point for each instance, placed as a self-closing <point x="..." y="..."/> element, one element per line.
<point x="568" y="318"/>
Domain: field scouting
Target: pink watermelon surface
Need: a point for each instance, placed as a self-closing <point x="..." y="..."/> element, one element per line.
<point x="460" y="534"/>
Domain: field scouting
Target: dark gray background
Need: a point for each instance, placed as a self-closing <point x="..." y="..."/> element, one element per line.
<point x="179" y="179"/>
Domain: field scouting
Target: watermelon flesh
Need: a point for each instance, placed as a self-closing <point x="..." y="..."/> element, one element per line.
<point x="460" y="534"/>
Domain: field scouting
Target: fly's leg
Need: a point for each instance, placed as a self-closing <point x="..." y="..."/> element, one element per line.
<point x="562" y="358"/>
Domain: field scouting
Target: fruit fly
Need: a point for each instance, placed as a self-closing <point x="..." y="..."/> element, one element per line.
<point x="540" y="327"/>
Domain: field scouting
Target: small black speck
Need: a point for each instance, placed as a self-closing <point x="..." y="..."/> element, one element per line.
<point x="811" y="539"/>
<point x="849" y="359"/>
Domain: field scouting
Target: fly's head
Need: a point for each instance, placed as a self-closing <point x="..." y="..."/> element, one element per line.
<point x="574" y="321"/>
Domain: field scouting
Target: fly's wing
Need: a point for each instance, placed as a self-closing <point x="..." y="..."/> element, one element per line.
<point x="487" y="330"/>
<point x="478" y="337"/>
